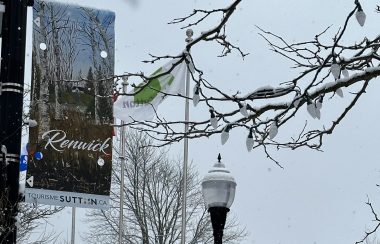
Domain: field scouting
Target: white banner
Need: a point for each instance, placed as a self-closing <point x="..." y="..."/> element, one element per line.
<point x="62" y="198"/>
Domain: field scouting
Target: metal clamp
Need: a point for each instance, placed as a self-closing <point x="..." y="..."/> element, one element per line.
<point x="8" y="157"/>
<point x="11" y="87"/>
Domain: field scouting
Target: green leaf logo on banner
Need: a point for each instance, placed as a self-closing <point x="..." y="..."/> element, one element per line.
<point x="144" y="104"/>
<point x="149" y="92"/>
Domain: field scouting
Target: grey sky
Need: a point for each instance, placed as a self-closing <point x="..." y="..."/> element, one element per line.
<point x="319" y="197"/>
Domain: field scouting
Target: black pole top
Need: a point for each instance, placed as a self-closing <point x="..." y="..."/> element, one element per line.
<point x="219" y="158"/>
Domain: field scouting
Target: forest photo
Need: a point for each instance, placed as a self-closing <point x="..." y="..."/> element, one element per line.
<point x="73" y="65"/>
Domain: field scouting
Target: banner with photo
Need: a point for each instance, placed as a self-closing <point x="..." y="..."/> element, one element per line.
<point x="69" y="151"/>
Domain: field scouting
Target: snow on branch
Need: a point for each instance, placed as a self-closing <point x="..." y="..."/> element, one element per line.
<point x="327" y="69"/>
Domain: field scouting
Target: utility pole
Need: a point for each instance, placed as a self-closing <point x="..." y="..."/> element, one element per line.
<point x="11" y="101"/>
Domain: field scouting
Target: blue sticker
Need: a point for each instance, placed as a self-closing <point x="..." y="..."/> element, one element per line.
<point x="38" y="155"/>
<point x="23" y="162"/>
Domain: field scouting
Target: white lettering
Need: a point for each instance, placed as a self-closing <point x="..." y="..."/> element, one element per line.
<point x="51" y="138"/>
<point x="104" y="146"/>
<point x="56" y="139"/>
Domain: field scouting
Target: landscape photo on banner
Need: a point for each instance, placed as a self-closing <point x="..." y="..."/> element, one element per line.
<point x="69" y="152"/>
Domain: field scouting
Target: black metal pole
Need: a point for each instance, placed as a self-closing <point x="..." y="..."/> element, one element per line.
<point x="218" y="221"/>
<point x="11" y="101"/>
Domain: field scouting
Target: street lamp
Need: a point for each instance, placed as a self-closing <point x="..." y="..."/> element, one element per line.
<point x="218" y="188"/>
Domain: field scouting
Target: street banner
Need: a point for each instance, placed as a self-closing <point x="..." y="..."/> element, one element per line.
<point x="69" y="151"/>
<point x="144" y="104"/>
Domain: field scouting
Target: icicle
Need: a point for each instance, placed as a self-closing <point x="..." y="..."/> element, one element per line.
<point x="196" y="97"/>
<point x="317" y="113"/>
<point x="213" y="119"/>
<point x="335" y="70"/>
<point x="243" y="109"/>
<point x="273" y="130"/>
<point x="214" y="122"/>
<point x="225" y="134"/>
<point x="319" y="103"/>
<point x="250" y="141"/>
<point x="360" y="17"/>
<point x="339" y="91"/>
<point x="312" y="109"/>
<point x="345" y="73"/>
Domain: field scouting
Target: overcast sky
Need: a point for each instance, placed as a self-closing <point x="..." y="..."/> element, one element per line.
<point x="319" y="197"/>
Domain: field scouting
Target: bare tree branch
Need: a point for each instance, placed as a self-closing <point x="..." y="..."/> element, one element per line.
<point x="152" y="207"/>
<point x="374" y="229"/>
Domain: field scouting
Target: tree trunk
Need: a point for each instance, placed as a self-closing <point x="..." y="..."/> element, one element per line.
<point x="43" y="100"/>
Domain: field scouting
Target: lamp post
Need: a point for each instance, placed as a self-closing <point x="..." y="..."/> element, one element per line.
<point x="218" y="189"/>
<point x="2" y="11"/>
<point x="122" y="165"/>
<point x="13" y="34"/>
